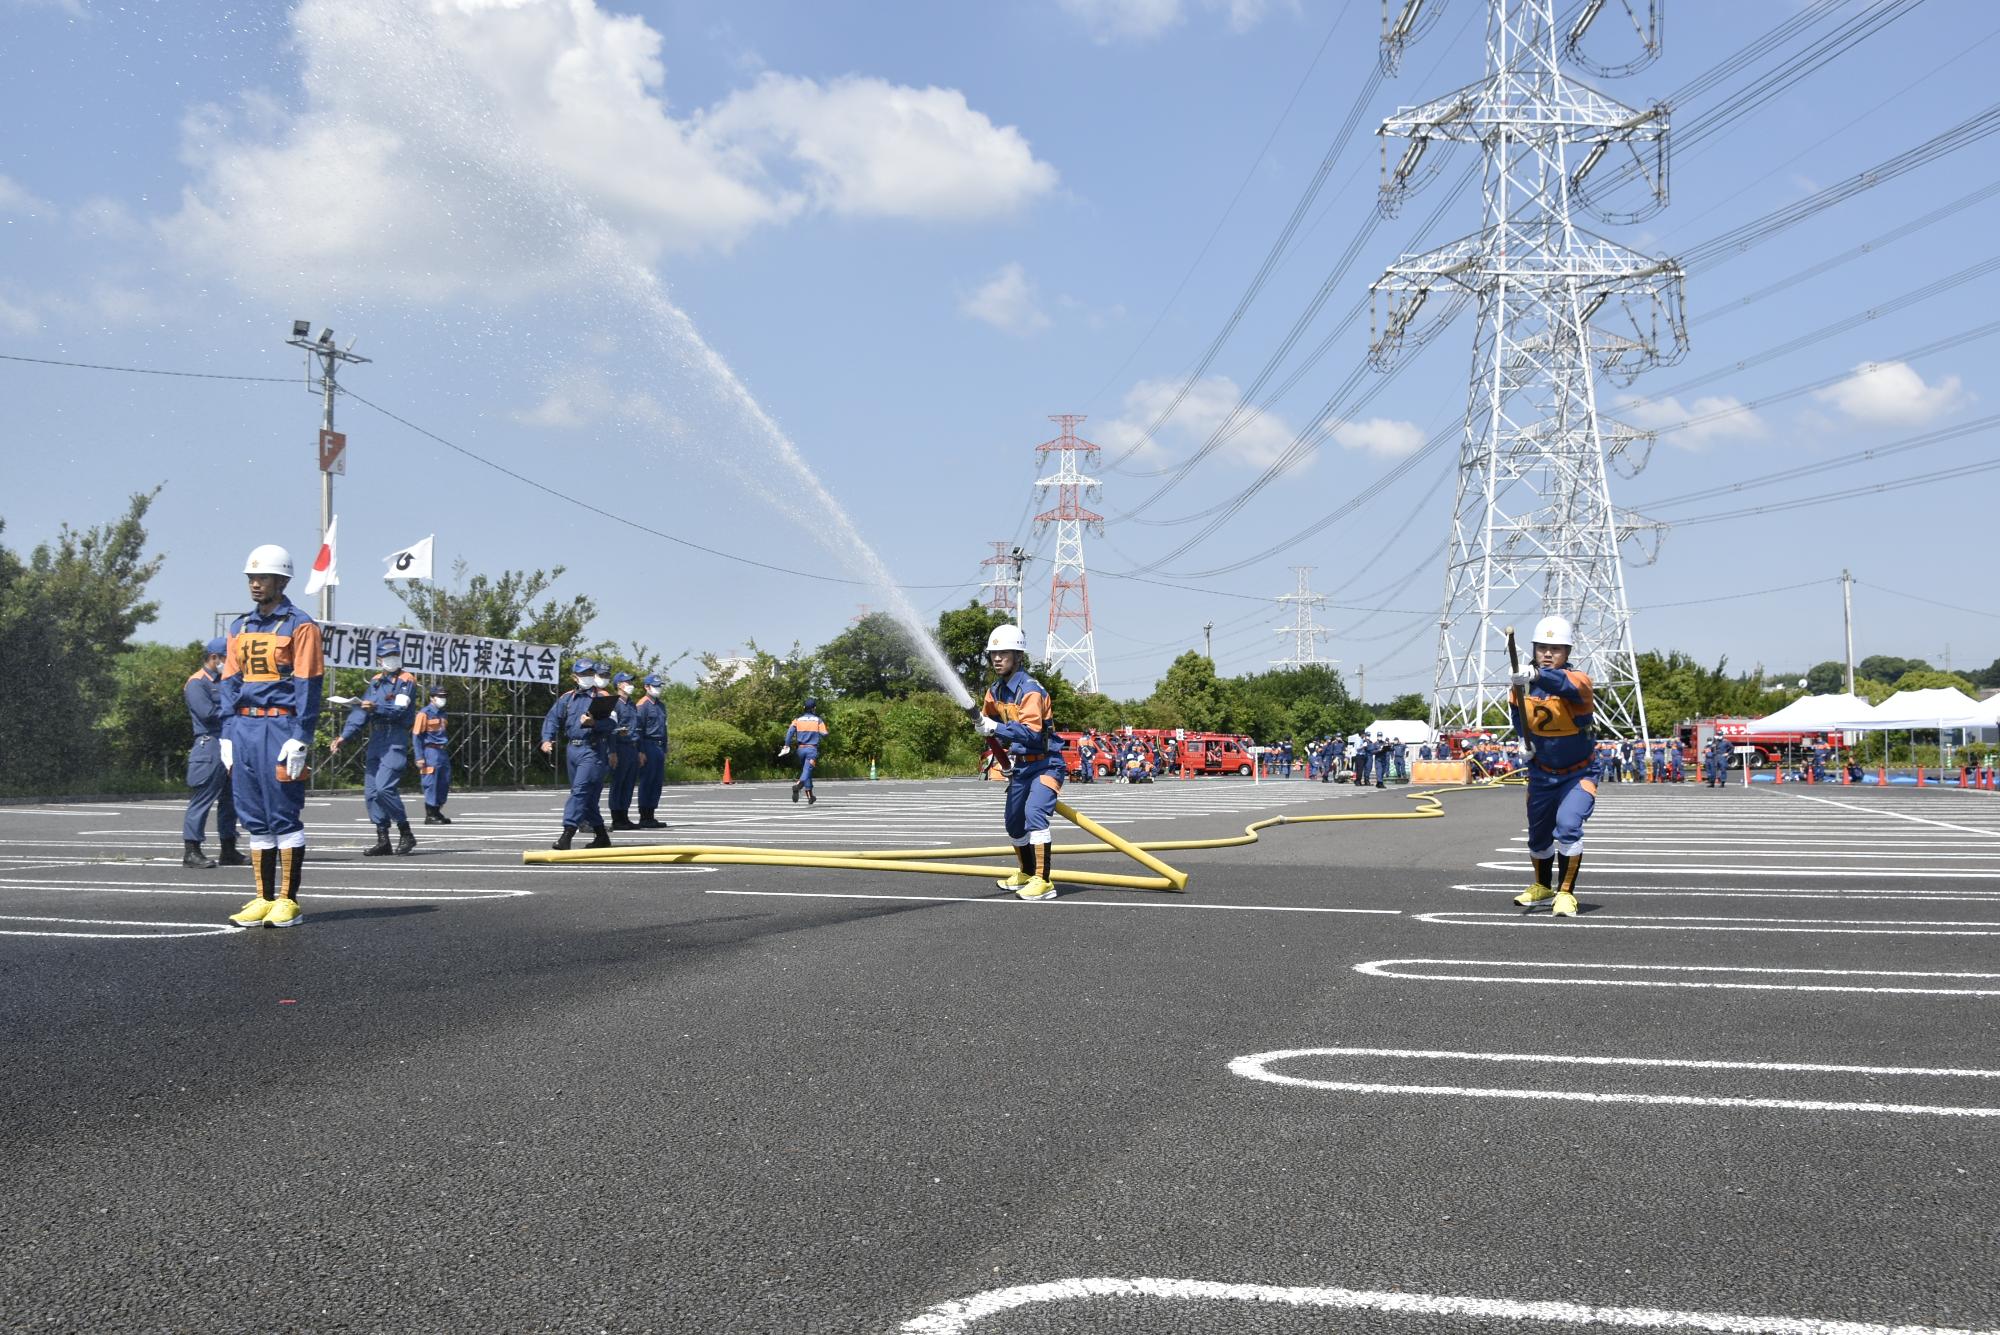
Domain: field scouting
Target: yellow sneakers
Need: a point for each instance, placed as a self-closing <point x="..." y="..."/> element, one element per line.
<point x="1013" y="880"/>
<point x="253" y="912"/>
<point x="1565" y="905"/>
<point x="1535" y="894"/>
<point x="285" y="913"/>
<point x="1034" y="887"/>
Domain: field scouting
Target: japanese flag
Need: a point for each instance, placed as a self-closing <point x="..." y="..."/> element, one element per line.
<point x="413" y="562"/>
<point x="323" y="571"/>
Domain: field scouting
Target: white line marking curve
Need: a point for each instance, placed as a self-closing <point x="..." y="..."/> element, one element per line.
<point x="957" y="1317"/>
<point x="1384" y="969"/>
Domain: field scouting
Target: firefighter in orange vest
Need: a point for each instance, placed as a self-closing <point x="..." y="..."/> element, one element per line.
<point x="1016" y="714"/>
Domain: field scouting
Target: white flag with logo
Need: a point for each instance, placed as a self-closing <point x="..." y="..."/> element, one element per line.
<point x="323" y="571"/>
<point x="413" y="562"/>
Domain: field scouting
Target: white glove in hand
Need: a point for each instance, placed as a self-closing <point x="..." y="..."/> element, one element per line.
<point x="292" y="760"/>
<point x="1519" y="680"/>
<point x="228" y="754"/>
<point x="784" y="751"/>
<point x="988" y="725"/>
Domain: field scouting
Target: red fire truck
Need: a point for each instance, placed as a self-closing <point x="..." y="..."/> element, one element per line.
<point x="1773" y="748"/>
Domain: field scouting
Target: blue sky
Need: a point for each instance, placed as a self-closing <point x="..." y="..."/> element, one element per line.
<point x="915" y="231"/>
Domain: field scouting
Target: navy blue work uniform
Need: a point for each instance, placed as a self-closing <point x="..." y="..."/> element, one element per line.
<point x="432" y="739"/>
<point x="391" y="697"/>
<point x="1034" y="782"/>
<point x="624" y="753"/>
<point x="588" y="724"/>
<point x="651" y="731"/>
<point x="207" y="776"/>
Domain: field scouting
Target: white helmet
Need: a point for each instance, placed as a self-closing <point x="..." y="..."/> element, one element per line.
<point x="1554" y="630"/>
<point x="270" y="559"/>
<point x="1009" y="636"/>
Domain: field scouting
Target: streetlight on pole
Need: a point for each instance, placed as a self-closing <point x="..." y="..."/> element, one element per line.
<point x="332" y="444"/>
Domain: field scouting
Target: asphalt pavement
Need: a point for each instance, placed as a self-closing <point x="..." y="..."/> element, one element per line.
<point x="1340" y="1082"/>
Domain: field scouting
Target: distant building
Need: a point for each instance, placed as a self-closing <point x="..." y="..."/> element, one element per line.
<point x="728" y="668"/>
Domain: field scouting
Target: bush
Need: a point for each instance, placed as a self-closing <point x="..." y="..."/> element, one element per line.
<point x="922" y="726"/>
<point x="854" y="731"/>
<point x="700" y="746"/>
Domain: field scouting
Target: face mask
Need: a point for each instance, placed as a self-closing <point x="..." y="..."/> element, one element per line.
<point x="624" y="688"/>
<point x="438" y="701"/>
<point x="600" y="682"/>
<point x="652" y="690"/>
<point x="391" y="665"/>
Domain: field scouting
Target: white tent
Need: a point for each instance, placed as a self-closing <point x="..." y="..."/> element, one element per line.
<point x="1937" y="707"/>
<point x="1818" y="713"/>
<point x="1409" y="732"/>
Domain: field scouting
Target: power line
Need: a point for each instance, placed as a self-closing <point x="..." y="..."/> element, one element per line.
<point x="1928" y="438"/>
<point x="152" y="370"/>
<point x="1732" y="597"/>
<point x="1919" y="598"/>
<point x="621" y="519"/>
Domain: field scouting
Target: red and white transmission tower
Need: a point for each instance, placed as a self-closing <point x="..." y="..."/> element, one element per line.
<point x="1005" y="582"/>
<point x="1071" y="647"/>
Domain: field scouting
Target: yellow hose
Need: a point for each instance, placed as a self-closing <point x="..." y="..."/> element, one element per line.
<point x="929" y="859"/>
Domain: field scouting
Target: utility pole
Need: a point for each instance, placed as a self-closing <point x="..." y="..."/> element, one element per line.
<point x="1071" y="644"/>
<point x="1208" y="642"/>
<point x="332" y="445"/>
<point x="1361" y="687"/>
<point x="1533" y="529"/>
<point x="1306" y="633"/>
<point x="1847" y="614"/>
<point x="1005" y="582"/>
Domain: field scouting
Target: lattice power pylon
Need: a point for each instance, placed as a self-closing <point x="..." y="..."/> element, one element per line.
<point x="1533" y="527"/>
<point x="1004" y="584"/>
<point x="1071" y="646"/>
<point x="1305" y="631"/>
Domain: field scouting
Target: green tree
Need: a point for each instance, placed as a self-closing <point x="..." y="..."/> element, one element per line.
<point x="1189" y="690"/>
<point x="1988" y="677"/>
<point x="762" y="699"/>
<point x="1827" y="678"/>
<point x="501" y="607"/>
<point x="66" y="615"/>
<point x="147" y="726"/>
<point x="922" y="727"/>
<point x="1886" y="667"/>
<point x="874" y="660"/>
<point x="1409" y="705"/>
<point x="962" y="633"/>
<point x="1927" y="679"/>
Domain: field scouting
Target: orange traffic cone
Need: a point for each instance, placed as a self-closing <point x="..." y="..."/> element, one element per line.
<point x="725" y="771"/>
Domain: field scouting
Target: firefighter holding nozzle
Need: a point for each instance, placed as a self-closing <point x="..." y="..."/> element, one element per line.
<point x="1015" y="719"/>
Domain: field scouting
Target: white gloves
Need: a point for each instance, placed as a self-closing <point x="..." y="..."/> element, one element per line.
<point x="228" y="754"/>
<point x="292" y="760"/>
<point x="784" y="751"/>
<point x="988" y="725"/>
<point x="1519" y="681"/>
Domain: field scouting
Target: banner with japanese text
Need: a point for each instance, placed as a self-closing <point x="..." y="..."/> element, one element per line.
<point x="428" y="654"/>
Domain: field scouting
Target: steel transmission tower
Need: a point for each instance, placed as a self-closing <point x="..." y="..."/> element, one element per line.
<point x="1071" y="646"/>
<point x="1306" y="633"/>
<point x="1005" y="582"/>
<point x="1533" y="527"/>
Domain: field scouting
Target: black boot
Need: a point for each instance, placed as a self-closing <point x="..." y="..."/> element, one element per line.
<point x="192" y="855"/>
<point x="795" y="791"/>
<point x="621" y="821"/>
<point x="648" y="822"/>
<point x="230" y="857"/>
<point x="562" y="844"/>
<point x="381" y="848"/>
<point x="430" y="814"/>
<point x="406" y="842"/>
<point x="442" y="819"/>
<point x="600" y="838"/>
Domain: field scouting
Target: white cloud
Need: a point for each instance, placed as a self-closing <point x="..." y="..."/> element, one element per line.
<point x="1142" y="20"/>
<point x="1257" y="439"/>
<point x="584" y="395"/>
<point x="445" y="148"/>
<point x="17" y="319"/>
<point x="1726" y="419"/>
<point x="872" y="148"/>
<point x="1007" y="302"/>
<point x="1893" y="394"/>
<point x="19" y="202"/>
<point x="1383" y="437"/>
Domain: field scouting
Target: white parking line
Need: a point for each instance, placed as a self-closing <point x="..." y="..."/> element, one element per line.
<point x="193" y="928"/>
<point x="1070" y="900"/>
<point x="1257" y="1067"/>
<point x="958" y="1316"/>
<point x="1386" y="969"/>
<point x="1663" y="922"/>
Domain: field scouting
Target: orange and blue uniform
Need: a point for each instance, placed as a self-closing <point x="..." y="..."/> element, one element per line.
<point x="1555" y="716"/>
<point x="807" y="734"/>
<point x="433" y="754"/>
<point x="272" y="678"/>
<point x="1021" y="706"/>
